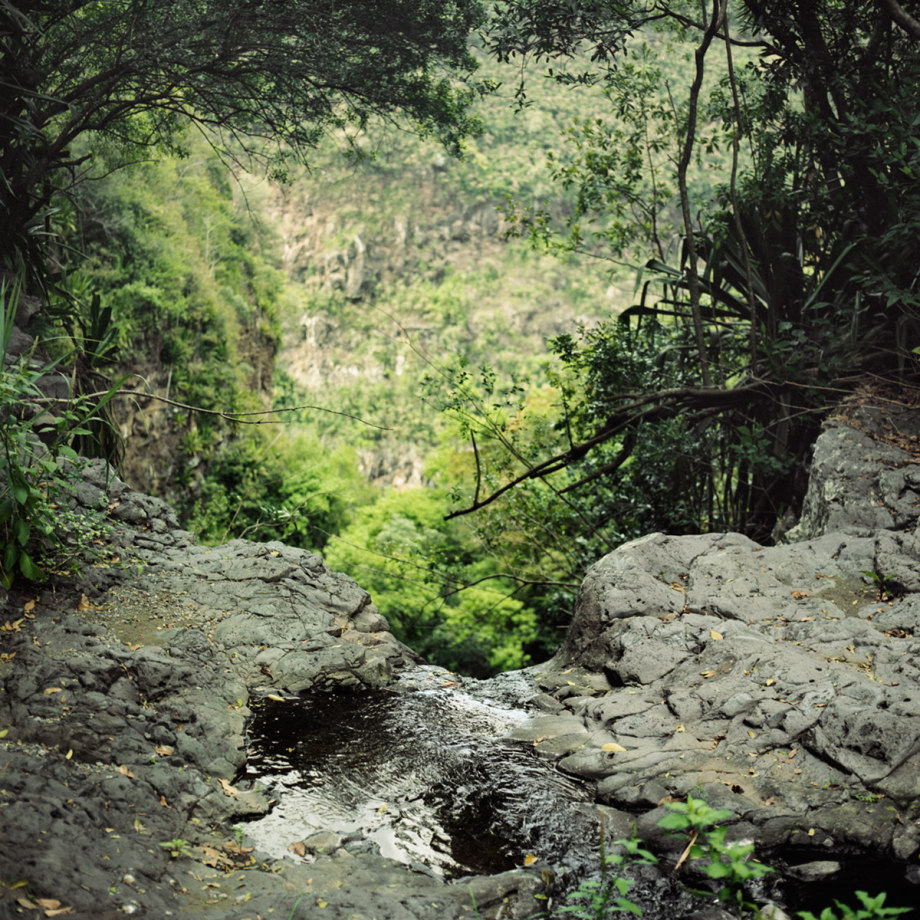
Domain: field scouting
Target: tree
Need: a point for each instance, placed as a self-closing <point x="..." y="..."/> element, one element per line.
<point x="795" y="279"/>
<point x="131" y="73"/>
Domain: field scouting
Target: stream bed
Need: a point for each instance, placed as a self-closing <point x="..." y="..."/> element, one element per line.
<point x="425" y="776"/>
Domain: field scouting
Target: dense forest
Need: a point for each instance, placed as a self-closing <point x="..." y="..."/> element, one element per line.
<point x="459" y="295"/>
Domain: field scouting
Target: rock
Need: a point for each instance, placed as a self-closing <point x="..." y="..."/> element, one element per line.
<point x="814" y="871"/>
<point x="780" y="683"/>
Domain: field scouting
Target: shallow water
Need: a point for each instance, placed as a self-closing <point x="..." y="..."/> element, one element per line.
<point x="421" y="774"/>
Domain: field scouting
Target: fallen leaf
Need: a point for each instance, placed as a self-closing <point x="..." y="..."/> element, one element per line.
<point x="798" y="595"/>
<point x="84" y="604"/>
<point x="811" y="832"/>
<point x="58" y="912"/>
<point x="613" y="747"/>
<point x="680" y="728"/>
<point x="708" y="674"/>
<point x="25" y="902"/>
<point x="529" y="859"/>
<point x="49" y="690"/>
<point x="298" y="848"/>
<point x="275" y="697"/>
<point x="321" y="903"/>
<point x="125" y="772"/>
<point x="228" y="788"/>
<point x="163" y="750"/>
<point x="164" y="803"/>
<point x="69" y="754"/>
<point x="715" y="635"/>
<point x="770" y="681"/>
<point x="50" y="903"/>
<point x="28" y="606"/>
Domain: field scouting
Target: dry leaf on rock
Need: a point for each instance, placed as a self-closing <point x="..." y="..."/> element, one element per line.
<point x="613" y="747"/>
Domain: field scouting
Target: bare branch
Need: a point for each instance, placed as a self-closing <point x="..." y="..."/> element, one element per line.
<point x="902" y="18"/>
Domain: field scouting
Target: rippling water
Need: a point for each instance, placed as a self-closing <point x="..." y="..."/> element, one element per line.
<point x="421" y="774"/>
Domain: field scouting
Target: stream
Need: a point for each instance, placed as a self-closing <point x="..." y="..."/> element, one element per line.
<point x="425" y="776"/>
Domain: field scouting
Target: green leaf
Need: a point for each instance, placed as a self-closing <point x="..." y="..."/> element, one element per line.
<point x="23" y="531"/>
<point x="28" y="567"/>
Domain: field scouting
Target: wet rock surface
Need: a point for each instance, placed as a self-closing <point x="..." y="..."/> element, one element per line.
<point x="779" y="682"/>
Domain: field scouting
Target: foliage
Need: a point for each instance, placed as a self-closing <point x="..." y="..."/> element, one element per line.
<point x="730" y="864"/>
<point x="795" y="273"/>
<point x="276" y="488"/>
<point x="605" y="895"/>
<point x="132" y="75"/>
<point x="871" y="909"/>
<point x="182" y="277"/>
<point x="38" y="463"/>
<point x="415" y="567"/>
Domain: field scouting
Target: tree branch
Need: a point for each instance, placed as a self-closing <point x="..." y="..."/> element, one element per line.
<point x="902" y="18"/>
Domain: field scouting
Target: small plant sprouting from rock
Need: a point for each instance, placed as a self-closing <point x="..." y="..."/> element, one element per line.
<point x="886" y="587"/>
<point x="177" y="847"/>
<point x="729" y="863"/>
<point x="871" y="909"/>
<point x="598" y="898"/>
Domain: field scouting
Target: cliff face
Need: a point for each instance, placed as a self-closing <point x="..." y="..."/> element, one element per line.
<point x="156" y="434"/>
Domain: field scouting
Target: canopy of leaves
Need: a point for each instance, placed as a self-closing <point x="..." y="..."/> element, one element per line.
<point x="133" y="72"/>
<point x="795" y="277"/>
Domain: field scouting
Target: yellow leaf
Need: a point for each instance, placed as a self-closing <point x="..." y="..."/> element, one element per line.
<point x="811" y="832"/>
<point x="50" y="690"/>
<point x="613" y="747"/>
<point x="84" y="604"/>
<point x="28" y="606"/>
<point x="25" y="902"/>
<point x="771" y="681"/>
<point x="20" y="884"/>
<point x="708" y="673"/>
<point x="752" y="734"/>
<point x="715" y="635"/>
<point x="529" y="859"/>
<point x="50" y="903"/>
<point x="125" y="772"/>
<point x="321" y="903"/>
<point x="275" y="697"/>
<point x="4" y="732"/>
<point x="69" y="754"/>
<point x="228" y="788"/>
<point x="680" y="728"/>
